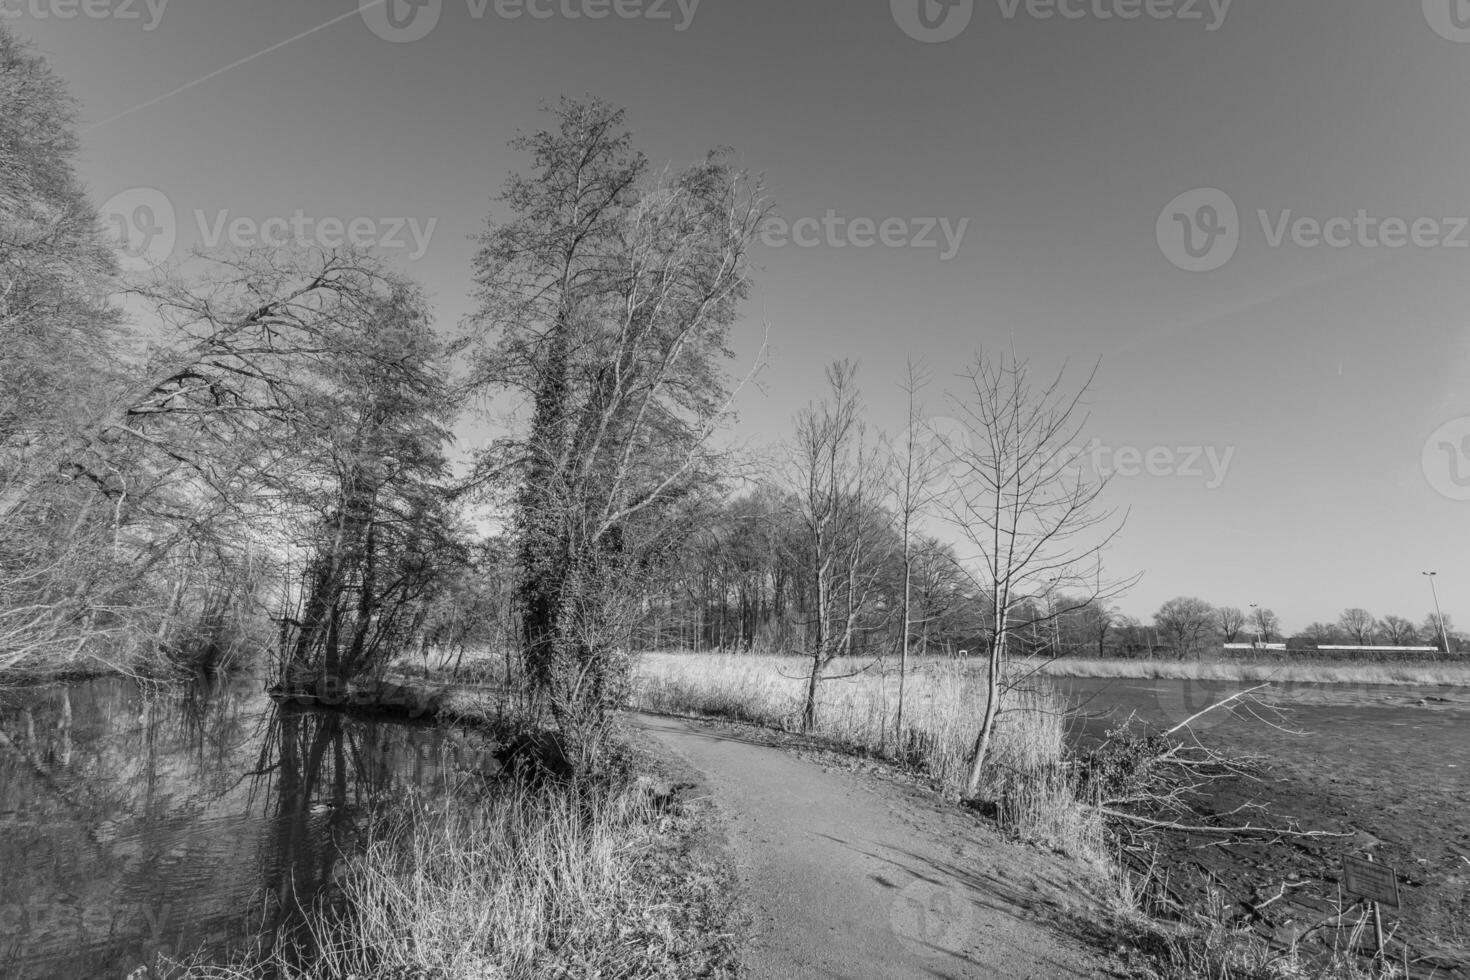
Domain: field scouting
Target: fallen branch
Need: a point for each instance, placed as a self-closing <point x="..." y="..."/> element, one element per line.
<point x="1218" y="704"/>
<point x="1200" y="829"/>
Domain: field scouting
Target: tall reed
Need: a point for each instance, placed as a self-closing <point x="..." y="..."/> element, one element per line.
<point x="1027" y="776"/>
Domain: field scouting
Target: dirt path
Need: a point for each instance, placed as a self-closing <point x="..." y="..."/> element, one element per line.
<point x="853" y="877"/>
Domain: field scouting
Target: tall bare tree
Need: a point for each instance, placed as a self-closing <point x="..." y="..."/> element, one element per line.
<point x="833" y="470"/>
<point x="1230" y="620"/>
<point x="1358" y="624"/>
<point x="1266" y="623"/>
<point x="1398" y="631"/>
<point x="1186" y="622"/>
<point x="606" y="301"/>
<point x="913" y="472"/>
<point x="1031" y="515"/>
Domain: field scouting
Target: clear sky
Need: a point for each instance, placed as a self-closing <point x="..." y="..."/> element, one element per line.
<point x="1305" y="401"/>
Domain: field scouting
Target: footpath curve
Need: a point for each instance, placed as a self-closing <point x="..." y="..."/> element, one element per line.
<point x="850" y="877"/>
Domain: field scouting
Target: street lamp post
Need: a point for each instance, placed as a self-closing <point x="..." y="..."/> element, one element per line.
<point x="1256" y="625"/>
<point x="1444" y="635"/>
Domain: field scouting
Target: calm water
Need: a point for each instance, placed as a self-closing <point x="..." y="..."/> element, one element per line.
<point x="133" y="822"/>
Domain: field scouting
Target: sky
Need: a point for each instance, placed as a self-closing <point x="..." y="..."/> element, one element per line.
<point x="1254" y="215"/>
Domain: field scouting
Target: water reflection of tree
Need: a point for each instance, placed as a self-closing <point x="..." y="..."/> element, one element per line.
<point x="320" y="774"/>
<point x="119" y="835"/>
<point x="136" y="820"/>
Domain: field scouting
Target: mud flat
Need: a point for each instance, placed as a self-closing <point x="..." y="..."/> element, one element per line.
<point x="1388" y="765"/>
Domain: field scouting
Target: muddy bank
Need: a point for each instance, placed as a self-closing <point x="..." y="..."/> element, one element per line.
<point x="1388" y="768"/>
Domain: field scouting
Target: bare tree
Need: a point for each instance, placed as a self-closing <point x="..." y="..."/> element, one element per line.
<point x="1266" y="624"/>
<point x="912" y="492"/>
<point x="1186" y="621"/>
<point x="1438" y="628"/>
<point x="1230" y="621"/>
<point x="1398" y="631"/>
<point x="833" y="469"/>
<point x="1358" y="624"/>
<point x="1099" y="618"/>
<point x="606" y="302"/>
<point x="1323" y="632"/>
<point x="1028" y="512"/>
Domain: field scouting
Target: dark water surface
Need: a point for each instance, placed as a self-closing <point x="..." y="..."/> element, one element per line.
<point x="134" y="821"/>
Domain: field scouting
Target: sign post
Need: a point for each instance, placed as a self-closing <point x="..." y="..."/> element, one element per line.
<point x="1375" y="883"/>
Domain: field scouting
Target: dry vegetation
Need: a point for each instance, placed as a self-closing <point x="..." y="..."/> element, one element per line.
<point x="1027" y="775"/>
<point x="1280" y="671"/>
<point x="557" y="882"/>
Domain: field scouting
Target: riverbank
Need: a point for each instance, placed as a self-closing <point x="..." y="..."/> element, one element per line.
<point x="211" y="831"/>
<point x="621" y="876"/>
<point x="1280" y="671"/>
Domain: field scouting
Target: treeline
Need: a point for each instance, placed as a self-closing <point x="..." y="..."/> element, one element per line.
<point x="744" y="584"/>
<point x="1187" y="626"/>
<point x="243" y="457"/>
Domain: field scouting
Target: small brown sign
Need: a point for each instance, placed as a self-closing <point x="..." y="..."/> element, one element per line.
<point x="1367" y="879"/>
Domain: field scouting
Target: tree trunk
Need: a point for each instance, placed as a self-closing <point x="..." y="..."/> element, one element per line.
<point x="903" y="643"/>
<point x="809" y="707"/>
<point x="992" y="707"/>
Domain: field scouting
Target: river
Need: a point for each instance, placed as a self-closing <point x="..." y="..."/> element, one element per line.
<point x="136" y="820"/>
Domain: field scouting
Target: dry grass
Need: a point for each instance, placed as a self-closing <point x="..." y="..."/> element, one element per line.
<point x="1216" y="952"/>
<point x="1027" y="776"/>
<point x="558" y="882"/>
<point x="1279" y="671"/>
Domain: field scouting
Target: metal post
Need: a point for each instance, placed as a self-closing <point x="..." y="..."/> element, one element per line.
<point x="1443" y="634"/>
<point x="1377" y="925"/>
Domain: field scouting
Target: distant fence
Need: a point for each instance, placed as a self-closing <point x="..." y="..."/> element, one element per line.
<point x="1369" y="648"/>
<point x="1335" y="647"/>
<point x="1298" y="649"/>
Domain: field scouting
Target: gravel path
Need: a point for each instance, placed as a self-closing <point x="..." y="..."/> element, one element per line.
<point x="854" y="877"/>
